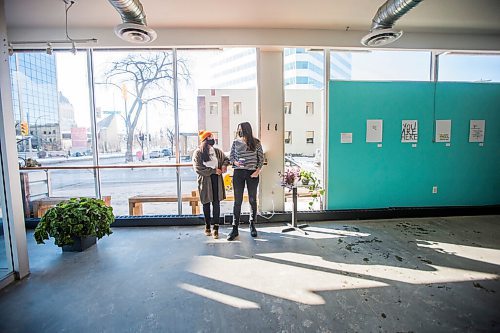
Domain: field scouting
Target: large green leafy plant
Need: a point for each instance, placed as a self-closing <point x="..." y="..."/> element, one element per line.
<point x="76" y="217"/>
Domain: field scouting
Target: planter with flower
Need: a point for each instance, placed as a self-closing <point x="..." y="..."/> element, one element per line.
<point x="292" y="177"/>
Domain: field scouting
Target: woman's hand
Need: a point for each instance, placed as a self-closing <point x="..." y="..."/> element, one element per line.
<point x="236" y="163"/>
<point x="255" y="174"/>
<point x="218" y="171"/>
<point x="224" y="169"/>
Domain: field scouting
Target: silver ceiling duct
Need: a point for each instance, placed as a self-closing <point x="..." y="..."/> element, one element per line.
<point x="133" y="29"/>
<point x="381" y="32"/>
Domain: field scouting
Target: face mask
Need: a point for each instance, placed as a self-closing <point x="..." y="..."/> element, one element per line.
<point x="211" y="142"/>
<point x="240" y="133"/>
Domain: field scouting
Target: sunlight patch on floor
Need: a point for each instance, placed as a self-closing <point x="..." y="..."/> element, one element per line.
<point x="437" y="274"/>
<point x="286" y="281"/>
<point x="235" y="302"/>
<point x="313" y="232"/>
<point x="491" y="256"/>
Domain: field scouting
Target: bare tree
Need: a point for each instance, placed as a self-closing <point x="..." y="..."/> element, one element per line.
<point x="170" y="139"/>
<point x="146" y="77"/>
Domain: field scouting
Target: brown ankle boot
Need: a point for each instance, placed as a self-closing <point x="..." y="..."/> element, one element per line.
<point x="216" y="231"/>
<point x="208" y="232"/>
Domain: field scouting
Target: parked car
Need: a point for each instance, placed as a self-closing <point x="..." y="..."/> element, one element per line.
<point x="155" y="154"/>
<point x="167" y="152"/>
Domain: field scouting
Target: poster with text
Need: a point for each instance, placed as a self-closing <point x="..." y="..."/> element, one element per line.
<point x="409" y="131"/>
<point x="374" y="130"/>
<point x="476" y="131"/>
<point x="443" y="130"/>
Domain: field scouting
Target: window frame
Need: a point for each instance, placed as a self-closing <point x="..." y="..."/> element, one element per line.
<point x="288" y="107"/>
<point x="210" y="109"/>
<point x="309" y="139"/>
<point x="288" y="137"/>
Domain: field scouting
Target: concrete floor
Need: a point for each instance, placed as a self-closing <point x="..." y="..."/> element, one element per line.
<point x="406" y="275"/>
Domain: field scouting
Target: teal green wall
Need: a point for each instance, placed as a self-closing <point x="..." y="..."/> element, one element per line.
<point x="360" y="175"/>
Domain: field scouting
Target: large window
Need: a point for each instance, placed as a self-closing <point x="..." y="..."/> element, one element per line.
<point x="52" y="112"/>
<point x="219" y="93"/>
<point x="135" y="125"/>
<point x="51" y="104"/>
<point x="371" y="65"/>
<point x="469" y="67"/>
<point x="304" y="89"/>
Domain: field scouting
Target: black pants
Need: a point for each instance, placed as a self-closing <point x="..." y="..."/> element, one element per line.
<point x="240" y="177"/>
<point x="215" y="203"/>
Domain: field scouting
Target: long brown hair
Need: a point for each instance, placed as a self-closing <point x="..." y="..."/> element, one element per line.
<point x="205" y="148"/>
<point x="247" y="134"/>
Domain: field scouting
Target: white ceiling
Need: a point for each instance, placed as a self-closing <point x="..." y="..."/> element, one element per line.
<point x="435" y="16"/>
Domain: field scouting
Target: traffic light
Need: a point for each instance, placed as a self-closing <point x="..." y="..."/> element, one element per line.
<point x="24" y="128"/>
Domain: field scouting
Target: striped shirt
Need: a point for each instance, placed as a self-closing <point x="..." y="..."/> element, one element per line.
<point x="250" y="160"/>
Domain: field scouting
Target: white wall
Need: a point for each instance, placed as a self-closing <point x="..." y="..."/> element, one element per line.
<point x="270" y="89"/>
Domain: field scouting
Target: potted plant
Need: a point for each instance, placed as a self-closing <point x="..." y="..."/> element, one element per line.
<point x="305" y="176"/>
<point x="314" y="187"/>
<point x="76" y="223"/>
<point x="290" y="177"/>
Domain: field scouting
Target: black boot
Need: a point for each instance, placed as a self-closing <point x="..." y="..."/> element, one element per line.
<point x="253" y="231"/>
<point x="233" y="234"/>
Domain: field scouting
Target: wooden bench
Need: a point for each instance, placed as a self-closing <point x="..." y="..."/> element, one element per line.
<point x="40" y="206"/>
<point x="135" y="202"/>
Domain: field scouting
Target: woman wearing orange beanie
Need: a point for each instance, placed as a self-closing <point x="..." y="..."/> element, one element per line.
<point x="210" y="163"/>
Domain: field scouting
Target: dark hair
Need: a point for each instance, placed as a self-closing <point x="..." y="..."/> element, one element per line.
<point x="247" y="134"/>
<point x="205" y="148"/>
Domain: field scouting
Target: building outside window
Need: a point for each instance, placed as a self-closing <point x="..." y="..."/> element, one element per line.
<point x="288" y="107"/>
<point x="288" y="137"/>
<point x="214" y="108"/>
<point x="237" y="108"/>
<point x="35" y="101"/>
<point x="309" y="107"/>
<point x="309" y="136"/>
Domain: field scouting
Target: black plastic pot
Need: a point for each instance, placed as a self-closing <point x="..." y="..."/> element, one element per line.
<point x="80" y="244"/>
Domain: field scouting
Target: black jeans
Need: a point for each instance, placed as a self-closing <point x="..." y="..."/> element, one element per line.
<point x="240" y="177"/>
<point x="215" y="203"/>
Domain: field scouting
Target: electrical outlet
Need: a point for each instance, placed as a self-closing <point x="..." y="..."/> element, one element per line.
<point x="434" y="189"/>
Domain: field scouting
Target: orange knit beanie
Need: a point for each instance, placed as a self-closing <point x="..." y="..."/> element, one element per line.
<point x="204" y="134"/>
